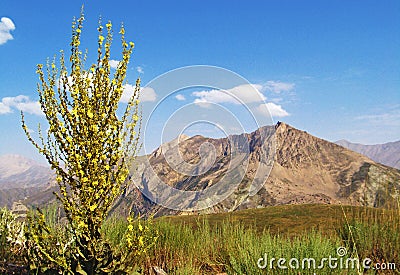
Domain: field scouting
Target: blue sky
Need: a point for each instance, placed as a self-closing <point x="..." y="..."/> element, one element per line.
<point x="331" y="68"/>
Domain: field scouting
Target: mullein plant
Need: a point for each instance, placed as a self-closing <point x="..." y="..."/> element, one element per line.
<point x="90" y="148"/>
<point x="12" y="238"/>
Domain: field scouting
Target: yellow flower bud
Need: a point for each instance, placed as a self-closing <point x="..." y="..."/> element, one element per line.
<point x="93" y="207"/>
<point x="90" y="114"/>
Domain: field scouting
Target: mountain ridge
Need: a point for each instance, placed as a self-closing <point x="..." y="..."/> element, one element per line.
<point x="307" y="169"/>
<point x="21" y="177"/>
<point x="284" y="165"/>
<point x="385" y="153"/>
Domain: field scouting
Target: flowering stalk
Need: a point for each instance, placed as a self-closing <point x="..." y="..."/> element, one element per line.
<point x="86" y="143"/>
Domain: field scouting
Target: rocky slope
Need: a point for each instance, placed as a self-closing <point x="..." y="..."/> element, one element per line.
<point x="387" y="153"/>
<point x="305" y="169"/>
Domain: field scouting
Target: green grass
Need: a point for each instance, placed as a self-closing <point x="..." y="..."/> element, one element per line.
<point x="233" y="242"/>
<point x="286" y="219"/>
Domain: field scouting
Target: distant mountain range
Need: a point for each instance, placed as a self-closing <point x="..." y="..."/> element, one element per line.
<point x="387" y="153"/>
<point x="302" y="169"/>
<point x="21" y="177"/>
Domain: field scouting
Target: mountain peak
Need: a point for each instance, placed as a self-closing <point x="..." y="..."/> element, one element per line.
<point x="306" y="169"/>
<point x="12" y="164"/>
<point x="21" y="177"/>
<point x="281" y="126"/>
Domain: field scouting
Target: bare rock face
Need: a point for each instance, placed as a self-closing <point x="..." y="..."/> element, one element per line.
<point x="301" y="168"/>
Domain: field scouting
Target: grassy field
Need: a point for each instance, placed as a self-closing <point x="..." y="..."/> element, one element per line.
<point x="285" y="219"/>
<point x="233" y="242"/>
<point x="244" y="242"/>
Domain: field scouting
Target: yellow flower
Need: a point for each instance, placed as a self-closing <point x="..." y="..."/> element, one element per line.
<point x="141" y="243"/>
<point x="93" y="207"/>
<point x="81" y="224"/>
<point x="90" y="114"/>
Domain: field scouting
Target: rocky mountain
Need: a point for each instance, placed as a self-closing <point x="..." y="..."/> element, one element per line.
<point x="387" y="153"/>
<point x="273" y="165"/>
<point x="302" y="169"/>
<point x="20" y="178"/>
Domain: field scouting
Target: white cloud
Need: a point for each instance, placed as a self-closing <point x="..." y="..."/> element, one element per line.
<point x="180" y="97"/>
<point x="128" y="93"/>
<point x="276" y="99"/>
<point x="278" y="87"/>
<point x="6" y="25"/>
<point x="203" y="104"/>
<point x="4" y="109"/>
<point x="272" y="109"/>
<point x="21" y="103"/>
<point x="246" y="93"/>
<point x="146" y="93"/>
<point x="389" y="118"/>
<point x="140" y="70"/>
<point x="113" y="63"/>
<point x="60" y="82"/>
